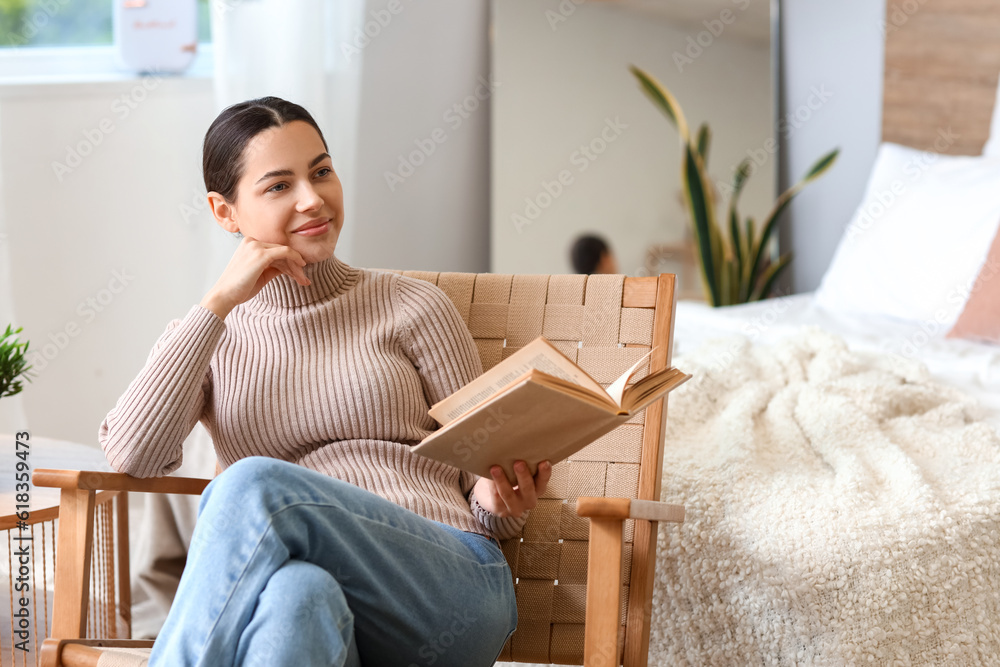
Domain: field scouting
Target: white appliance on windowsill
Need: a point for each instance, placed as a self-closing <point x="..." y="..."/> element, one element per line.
<point x="156" y="36"/>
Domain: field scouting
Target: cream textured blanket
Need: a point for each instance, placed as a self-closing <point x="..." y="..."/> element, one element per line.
<point x="841" y="509"/>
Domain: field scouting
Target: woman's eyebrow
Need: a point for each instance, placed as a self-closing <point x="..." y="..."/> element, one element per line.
<point x="288" y="172"/>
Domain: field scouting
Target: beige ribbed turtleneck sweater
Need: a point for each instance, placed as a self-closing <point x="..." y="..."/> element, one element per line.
<point x="336" y="376"/>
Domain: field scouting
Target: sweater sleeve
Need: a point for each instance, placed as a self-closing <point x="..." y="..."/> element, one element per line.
<point x="144" y="433"/>
<point x="445" y="355"/>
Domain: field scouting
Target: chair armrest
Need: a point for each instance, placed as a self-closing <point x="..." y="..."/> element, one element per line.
<point x="601" y="644"/>
<point x="57" y="652"/>
<point x="628" y="508"/>
<point x="116" y="481"/>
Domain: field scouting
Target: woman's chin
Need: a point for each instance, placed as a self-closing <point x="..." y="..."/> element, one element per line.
<point x="314" y="255"/>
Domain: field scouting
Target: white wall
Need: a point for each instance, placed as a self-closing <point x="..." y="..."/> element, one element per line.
<point x="120" y="209"/>
<point x="836" y="47"/>
<point x="562" y="81"/>
<point x="432" y="57"/>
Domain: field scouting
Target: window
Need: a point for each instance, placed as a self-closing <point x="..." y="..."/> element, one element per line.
<point x="53" y="23"/>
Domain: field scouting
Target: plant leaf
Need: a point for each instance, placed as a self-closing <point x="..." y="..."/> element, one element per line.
<point x="739" y="178"/>
<point x="699" y="200"/>
<point x="704" y="139"/>
<point x="734" y="281"/>
<point x="734" y="237"/>
<point x="663" y="100"/>
<point x="748" y="240"/>
<point x="817" y="170"/>
<point x="821" y="166"/>
<point x="766" y="282"/>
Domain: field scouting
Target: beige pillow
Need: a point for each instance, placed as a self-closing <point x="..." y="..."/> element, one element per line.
<point x="980" y="320"/>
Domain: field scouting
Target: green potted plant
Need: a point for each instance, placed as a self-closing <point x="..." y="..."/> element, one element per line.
<point x="735" y="262"/>
<point x="12" y="362"/>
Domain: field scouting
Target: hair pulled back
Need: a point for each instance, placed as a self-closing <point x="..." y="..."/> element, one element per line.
<point x="223" y="160"/>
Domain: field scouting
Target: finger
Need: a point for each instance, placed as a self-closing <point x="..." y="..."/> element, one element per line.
<point x="298" y="263"/>
<point x="503" y="487"/>
<point x="525" y="483"/>
<point x="288" y="261"/>
<point x="295" y="271"/>
<point x="542" y="478"/>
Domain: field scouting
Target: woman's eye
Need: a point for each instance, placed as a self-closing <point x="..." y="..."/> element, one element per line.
<point x="324" y="171"/>
<point x="272" y="188"/>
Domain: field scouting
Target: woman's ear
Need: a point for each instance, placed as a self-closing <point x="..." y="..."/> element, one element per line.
<point x="223" y="211"/>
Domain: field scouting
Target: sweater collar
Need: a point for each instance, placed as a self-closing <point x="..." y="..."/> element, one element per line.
<point x="328" y="279"/>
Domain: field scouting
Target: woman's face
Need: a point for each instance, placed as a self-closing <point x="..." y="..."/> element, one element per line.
<point x="288" y="184"/>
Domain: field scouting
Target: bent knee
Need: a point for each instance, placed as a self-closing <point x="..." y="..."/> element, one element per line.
<point x="311" y="587"/>
<point x="242" y="478"/>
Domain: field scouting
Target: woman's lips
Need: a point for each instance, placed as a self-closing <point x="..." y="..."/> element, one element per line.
<point x="314" y="231"/>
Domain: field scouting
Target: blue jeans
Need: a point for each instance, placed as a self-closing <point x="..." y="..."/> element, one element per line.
<point x="289" y="566"/>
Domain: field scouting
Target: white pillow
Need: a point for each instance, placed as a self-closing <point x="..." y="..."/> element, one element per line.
<point x="992" y="147"/>
<point x="919" y="238"/>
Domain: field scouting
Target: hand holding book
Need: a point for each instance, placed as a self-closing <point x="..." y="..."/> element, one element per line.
<point x="536" y="405"/>
<point x="497" y="496"/>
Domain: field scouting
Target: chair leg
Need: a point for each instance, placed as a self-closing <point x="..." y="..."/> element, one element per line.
<point x="603" y="617"/>
<point x="124" y="575"/>
<point x="73" y="553"/>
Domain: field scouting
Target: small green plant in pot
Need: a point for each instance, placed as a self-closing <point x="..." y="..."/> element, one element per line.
<point x="735" y="262"/>
<point x="12" y="362"/>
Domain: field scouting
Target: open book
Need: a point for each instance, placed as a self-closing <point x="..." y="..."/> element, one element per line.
<point x="536" y="405"/>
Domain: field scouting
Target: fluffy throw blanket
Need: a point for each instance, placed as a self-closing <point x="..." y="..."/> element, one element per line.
<point x="841" y="509"/>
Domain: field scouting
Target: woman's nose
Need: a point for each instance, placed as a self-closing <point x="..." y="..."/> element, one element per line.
<point x="309" y="198"/>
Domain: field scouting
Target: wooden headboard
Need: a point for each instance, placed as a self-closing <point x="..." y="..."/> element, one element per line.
<point x="942" y="60"/>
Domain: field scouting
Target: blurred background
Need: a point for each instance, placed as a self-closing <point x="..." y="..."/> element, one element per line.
<point x="476" y="136"/>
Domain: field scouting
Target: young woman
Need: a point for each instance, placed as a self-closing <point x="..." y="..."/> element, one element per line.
<point x="324" y="541"/>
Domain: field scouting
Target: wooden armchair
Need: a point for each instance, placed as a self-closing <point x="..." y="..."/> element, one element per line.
<point x="568" y="613"/>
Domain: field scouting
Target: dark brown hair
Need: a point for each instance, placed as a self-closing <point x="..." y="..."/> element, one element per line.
<point x="586" y="251"/>
<point x="222" y="161"/>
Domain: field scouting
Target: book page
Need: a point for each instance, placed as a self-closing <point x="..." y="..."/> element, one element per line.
<point x="617" y="388"/>
<point x="651" y="387"/>
<point x="539" y="354"/>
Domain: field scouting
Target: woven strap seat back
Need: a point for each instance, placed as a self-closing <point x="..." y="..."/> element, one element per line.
<point x="587" y="319"/>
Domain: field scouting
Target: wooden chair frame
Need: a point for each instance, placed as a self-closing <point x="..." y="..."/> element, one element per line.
<point x="604" y="645"/>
